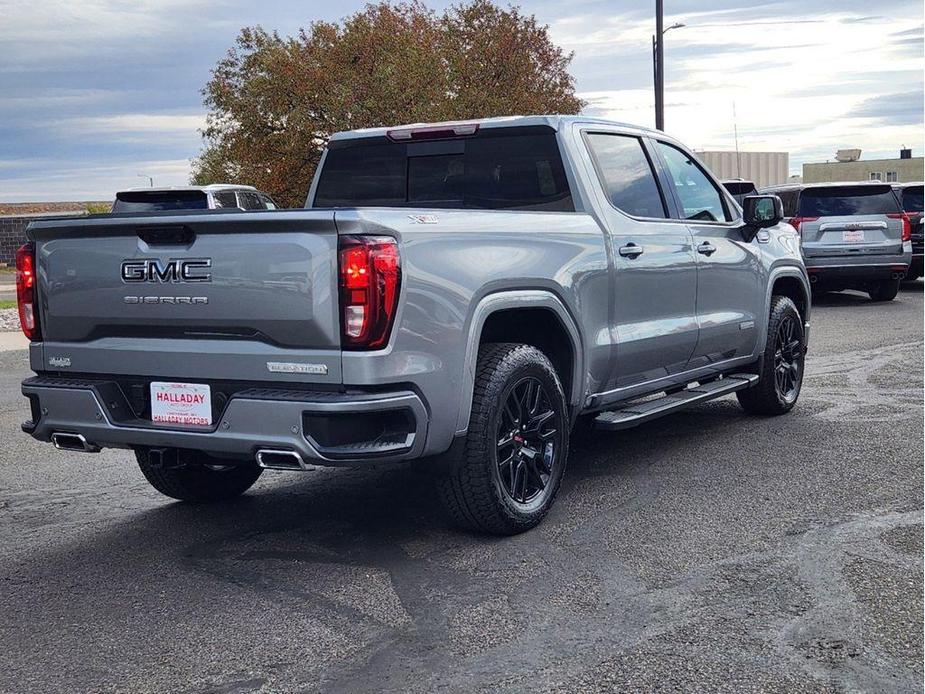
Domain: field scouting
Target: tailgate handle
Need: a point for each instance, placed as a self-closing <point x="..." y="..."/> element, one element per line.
<point x="167" y="235"/>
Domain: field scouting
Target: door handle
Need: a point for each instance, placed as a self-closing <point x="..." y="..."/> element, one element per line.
<point x="706" y="248"/>
<point x="631" y="251"/>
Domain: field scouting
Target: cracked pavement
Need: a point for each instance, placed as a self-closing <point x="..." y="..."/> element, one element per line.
<point x="707" y="551"/>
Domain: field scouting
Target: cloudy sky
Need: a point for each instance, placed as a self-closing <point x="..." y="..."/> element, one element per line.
<point x="98" y="92"/>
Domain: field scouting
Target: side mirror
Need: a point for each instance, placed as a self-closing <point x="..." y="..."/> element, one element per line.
<point x="762" y="211"/>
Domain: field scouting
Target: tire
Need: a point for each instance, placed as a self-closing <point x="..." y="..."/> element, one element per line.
<point x="194" y="476"/>
<point x="884" y="291"/>
<point x="773" y="395"/>
<point x="503" y="480"/>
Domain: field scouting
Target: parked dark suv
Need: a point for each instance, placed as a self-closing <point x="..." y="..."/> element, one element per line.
<point x="853" y="235"/>
<point x="910" y="194"/>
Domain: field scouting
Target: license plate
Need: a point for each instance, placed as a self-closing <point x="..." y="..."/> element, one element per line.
<point x="181" y="403"/>
<point x="854" y="236"/>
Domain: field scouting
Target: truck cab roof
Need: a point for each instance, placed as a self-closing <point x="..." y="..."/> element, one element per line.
<point x="556" y="122"/>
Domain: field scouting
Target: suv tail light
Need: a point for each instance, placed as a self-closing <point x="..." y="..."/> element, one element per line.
<point x="25" y="291"/>
<point x="370" y="277"/>
<point x="795" y="222"/>
<point x="907" y="225"/>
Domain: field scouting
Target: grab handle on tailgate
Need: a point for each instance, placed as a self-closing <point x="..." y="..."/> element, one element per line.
<point x="166" y="235"/>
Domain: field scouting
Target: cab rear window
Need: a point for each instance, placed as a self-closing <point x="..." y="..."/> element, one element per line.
<point x="847" y="201"/>
<point x="511" y="168"/>
<point x="155" y="201"/>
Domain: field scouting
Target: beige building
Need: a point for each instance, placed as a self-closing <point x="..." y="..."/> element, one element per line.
<point x="764" y="168"/>
<point x="897" y="170"/>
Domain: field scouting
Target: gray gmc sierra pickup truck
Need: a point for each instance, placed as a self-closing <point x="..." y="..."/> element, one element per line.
<point x="463" y="293"/>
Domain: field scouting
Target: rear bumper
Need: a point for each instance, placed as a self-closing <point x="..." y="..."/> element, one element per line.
<point x="287" y="420"/>
<point x="848" y="271"/>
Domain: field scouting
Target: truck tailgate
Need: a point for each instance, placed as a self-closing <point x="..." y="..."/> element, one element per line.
<point x="208" y="295"/>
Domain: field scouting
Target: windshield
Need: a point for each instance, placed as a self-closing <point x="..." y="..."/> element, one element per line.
<point x="847" y="201"/>
<point x="155" y="201"/>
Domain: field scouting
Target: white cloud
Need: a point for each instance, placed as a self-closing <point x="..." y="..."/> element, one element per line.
<point x="141" y="123"/>
<point x="77" y="181"/>
<point x="780" y="77"/>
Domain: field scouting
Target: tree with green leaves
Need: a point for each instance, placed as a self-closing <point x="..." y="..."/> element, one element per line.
<point x="274" y="101"/>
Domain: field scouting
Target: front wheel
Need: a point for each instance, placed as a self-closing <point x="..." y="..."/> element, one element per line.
<point x="781" y="375"/>
<point x="884" y="291"/>
<point x="505" y="478"/>
<point x="190" y="476"/>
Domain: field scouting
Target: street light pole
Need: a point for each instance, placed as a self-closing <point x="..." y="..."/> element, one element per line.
<point x="659" y="67"/>
<point x="658" y="63"/>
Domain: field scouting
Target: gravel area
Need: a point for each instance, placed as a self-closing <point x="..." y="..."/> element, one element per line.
<point x="9" y="319"/>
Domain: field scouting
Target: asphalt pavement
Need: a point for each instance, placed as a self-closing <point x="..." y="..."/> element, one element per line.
<point x="708" y="551"/>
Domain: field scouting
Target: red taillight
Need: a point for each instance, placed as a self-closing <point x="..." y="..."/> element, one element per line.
<point x="25" y="291"/>
<point x="795" y="222"/>
<point x="370" y="277"/>
<point x="907" y="225"/>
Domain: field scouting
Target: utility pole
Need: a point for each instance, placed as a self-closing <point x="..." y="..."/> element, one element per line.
<point x="150" y="179"/>
<point x="658" y="63"/>
<point x="659" y="66"/>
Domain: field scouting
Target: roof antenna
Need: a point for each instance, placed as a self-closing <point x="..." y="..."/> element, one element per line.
<point x="735" y="129"/>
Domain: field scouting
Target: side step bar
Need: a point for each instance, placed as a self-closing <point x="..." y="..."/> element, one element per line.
<point x="639" y="412"/>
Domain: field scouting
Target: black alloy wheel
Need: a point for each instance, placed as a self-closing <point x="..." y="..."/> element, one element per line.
<point x="788" y="360"/>
<point x="528" y="438"/>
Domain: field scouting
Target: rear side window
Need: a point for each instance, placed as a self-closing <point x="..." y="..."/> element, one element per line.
<point x="846" y="201"/>
<point x="516" y="169"/>
<point x="912" y="199"/>
<point x="249" y="201"/>
<point x="789" y="199"/>
<point x="155" y="201"/>
<point x="225" y="199"/>
<point x="700" y="199"/>
<point x="626" y="174"/>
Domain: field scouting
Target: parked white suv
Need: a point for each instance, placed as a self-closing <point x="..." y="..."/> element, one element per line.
<point x="211" y="197"/>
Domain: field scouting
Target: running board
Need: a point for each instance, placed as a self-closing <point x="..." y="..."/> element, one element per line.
<point x="639" y="412"/>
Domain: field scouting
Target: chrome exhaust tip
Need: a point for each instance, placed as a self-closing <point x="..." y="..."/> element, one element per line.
<point x="277" y="459"/>
<point x="73" y="442"/>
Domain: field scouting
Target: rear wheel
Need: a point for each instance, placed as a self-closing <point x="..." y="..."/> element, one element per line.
<point x="193" y="476"/>
<point x="884" y="291"/>
<point x="506" y="476"/>
<point x="781" y="375"/>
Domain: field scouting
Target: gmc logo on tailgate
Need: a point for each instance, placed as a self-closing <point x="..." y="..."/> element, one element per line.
<point x="174" y="270"/>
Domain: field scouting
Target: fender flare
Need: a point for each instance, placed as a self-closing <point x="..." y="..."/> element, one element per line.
<point x="774" y="275"/>
<point x="515" y="299"/>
